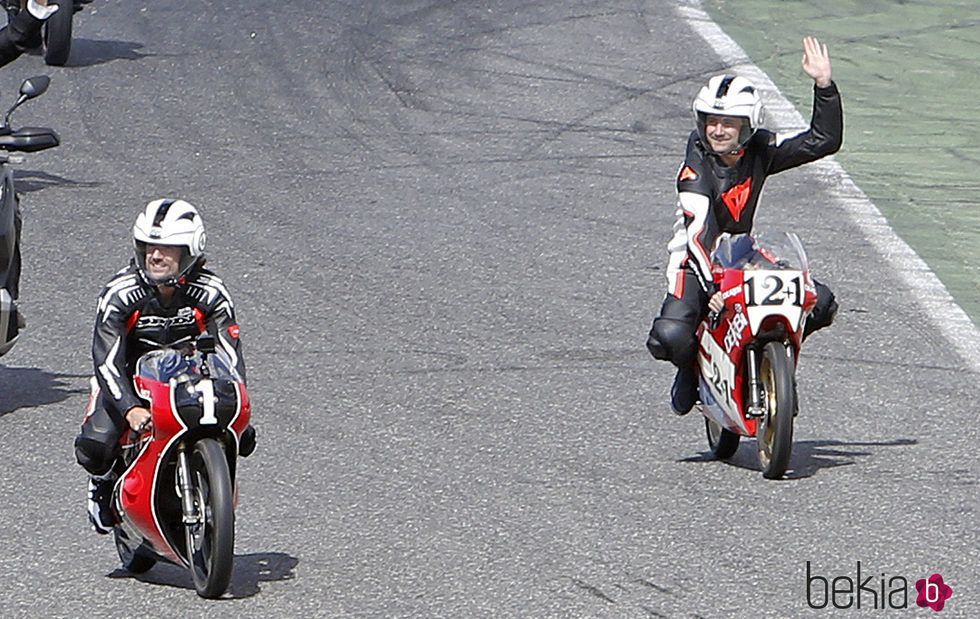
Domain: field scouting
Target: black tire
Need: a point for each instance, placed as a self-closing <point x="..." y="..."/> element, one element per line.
<point x="774" y="431"/>
<point x="134" y="561"/>
<point x="57" y="34"/>
<point x="723" y="443"/>
<point x="211" y="541"/>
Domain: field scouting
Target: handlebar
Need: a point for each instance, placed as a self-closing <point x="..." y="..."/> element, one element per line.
<point x="29" y="139"/>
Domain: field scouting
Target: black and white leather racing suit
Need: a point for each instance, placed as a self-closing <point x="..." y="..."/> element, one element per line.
<point x="714" y="198"/>
<point x="130" y="321"/>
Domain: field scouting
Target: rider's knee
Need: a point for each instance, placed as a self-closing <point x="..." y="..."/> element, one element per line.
<point x="94" y="454"/>
<point x="672" y="336"/>
<point x="673" y="340"/>
<point x="97" y="445"/>
<point x="823" y="312"/>
<point x="656" y="347"/>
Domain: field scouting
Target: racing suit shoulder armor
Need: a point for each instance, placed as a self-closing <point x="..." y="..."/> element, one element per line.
<point x="207" y="289"/>
<point x="122" y="293"/>
<point x="694" y="175"/>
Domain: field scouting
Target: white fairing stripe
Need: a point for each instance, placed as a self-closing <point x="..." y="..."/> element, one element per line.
<point x="238" y="407"/>
<point x="718" y="371"/>
<point x="238" y="412"/>
<point x="157" y="470"/>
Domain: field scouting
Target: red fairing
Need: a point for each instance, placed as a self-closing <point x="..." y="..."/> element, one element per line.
<point x="140" y="486"/>
<point x="731" y="286"/>
<point x="138" y="482"/>
<point x="245" y="415"/>
<point x="747" y="352"/>
<point x="165" y="424"/>
<point x="734" y="332"/>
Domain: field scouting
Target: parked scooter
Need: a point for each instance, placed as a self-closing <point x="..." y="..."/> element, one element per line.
<point x="26" y="139"/>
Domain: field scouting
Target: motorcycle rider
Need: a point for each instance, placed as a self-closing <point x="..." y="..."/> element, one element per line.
<point x="24" y="29"/>
<point x="163" y="297"/>
<point x="728" y="159"/>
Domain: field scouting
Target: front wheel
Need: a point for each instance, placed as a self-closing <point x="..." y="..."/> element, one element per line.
<point x="57" y="34"/>
<point x="723" y="443"/>
<point x="774" y="431"/>
<point x="211" y="539"/>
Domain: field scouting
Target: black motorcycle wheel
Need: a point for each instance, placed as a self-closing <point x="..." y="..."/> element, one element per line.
<point x="774" y="431"/>
<point x="57" y="34"/>
<point x="133" y="561"/>
<point x="723" y="443"/>
<point x="211" y="540"/>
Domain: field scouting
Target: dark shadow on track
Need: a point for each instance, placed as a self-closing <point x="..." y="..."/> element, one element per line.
<point x="87" y="53"/>
<point x="29" y="387"/>
<point x="249" y="571"/>
<point x="28" y="181"/>
<point x="808" y="456"/>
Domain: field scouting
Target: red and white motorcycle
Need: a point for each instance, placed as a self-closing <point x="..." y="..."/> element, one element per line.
<point x="176" y="493"/>
<point x="747" y="352"/>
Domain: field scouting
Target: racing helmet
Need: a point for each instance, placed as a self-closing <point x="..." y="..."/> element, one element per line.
<point x="169" y="222"/>
<point x="729" y="95"/>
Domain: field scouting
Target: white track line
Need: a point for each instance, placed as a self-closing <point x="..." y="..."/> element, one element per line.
<point x="923" y="284"/>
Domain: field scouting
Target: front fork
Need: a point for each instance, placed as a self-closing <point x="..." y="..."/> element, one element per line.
<point x="756" y="395"/>
<point x="185" y="488"/>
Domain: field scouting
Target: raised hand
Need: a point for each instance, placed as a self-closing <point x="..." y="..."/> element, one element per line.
<point x="816" y="61"/>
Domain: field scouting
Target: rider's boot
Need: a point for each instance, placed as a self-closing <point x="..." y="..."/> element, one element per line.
<point x="100" y="512"/>
<point x="684" y="393"/>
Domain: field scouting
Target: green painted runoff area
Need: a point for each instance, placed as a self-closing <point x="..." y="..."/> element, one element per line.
<point x="909" y="76"/>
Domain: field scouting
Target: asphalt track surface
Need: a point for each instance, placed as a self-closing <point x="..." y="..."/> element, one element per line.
<point x="443" y="224"/>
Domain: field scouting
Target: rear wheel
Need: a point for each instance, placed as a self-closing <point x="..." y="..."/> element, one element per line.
<point x="723" y="443"/>
<point x="774" y="431"/>
<point x="211" y="540"/>
<point x="133" y="560"/>
<point x="57" y="33"/>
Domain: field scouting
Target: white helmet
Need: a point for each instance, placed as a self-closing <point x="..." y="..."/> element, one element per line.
<point x="169" y="222"/>
<point x="727" y="95"/>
